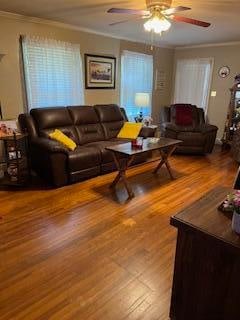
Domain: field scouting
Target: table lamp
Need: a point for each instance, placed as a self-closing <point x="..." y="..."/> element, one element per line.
<point x="141" y="100"/>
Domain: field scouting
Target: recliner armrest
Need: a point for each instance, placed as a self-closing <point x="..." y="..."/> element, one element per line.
<point x="49" y="145"/>
<point x="205" y="128"/>
<point x="171" y="126"/>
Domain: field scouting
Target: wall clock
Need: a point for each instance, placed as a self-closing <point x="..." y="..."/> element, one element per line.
<point x="224" y="72"/>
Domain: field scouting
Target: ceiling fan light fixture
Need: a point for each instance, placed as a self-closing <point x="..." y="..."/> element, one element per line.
<point x="157" y="24"/>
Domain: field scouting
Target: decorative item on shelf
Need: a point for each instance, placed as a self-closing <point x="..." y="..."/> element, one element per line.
<point x="12" y="171"/>
<point x="142" y="100"/>
<point x="137" y="143"/>
<point x="224" y="72"/>
<point x="237" y="79"/>
<point x="233" y="116"/>
<point x="232" y="203"/>
<point x="147" y="121"/>
<point x="100" y="72"/>
<point x="225" y="206"/>
<point x="2" y="166"/>
<point x="8" y="128"/>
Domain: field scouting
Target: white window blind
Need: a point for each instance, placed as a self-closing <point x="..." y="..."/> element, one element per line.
<point x="136" y="77"/>
<point x="53" y="72"/>
<point x="192" y="81"/>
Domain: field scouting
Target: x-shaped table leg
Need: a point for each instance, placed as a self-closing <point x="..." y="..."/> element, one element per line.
<point x="122" y="173"/>
<point x="165" y="155"/>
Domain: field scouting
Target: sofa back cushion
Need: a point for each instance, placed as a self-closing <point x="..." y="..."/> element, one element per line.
<point x="48" y="119"/>
<point x="184" y="116"/>
<point x="111" y="119"/>
<point x="87" y="124"/>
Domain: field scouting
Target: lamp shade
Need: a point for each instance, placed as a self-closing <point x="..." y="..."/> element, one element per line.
<point x="142" y="100"/>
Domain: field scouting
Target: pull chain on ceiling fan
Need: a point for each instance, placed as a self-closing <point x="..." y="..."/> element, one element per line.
<point x="159" y="15"/>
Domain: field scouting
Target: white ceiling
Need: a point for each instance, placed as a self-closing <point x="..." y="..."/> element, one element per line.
<point x="91" y="14"/>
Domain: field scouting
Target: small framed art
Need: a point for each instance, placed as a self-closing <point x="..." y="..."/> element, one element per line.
<point x="100" y="72"/>
<point x="224" y="72"/>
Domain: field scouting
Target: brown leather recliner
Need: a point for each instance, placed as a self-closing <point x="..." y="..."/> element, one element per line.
<point x="92" y="128"/>
<point x="198" y="137"/>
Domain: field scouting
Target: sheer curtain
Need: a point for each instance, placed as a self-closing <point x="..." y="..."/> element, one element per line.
<point x="136" y="76"/>
<point x="53" y="72"/>
<point x="192" y="81"/>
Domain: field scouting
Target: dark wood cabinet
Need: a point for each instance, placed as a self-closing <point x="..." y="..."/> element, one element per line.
<point x="233" y="117"/>
<point x="206" y="282"/>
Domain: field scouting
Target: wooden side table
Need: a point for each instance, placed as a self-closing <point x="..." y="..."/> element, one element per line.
<point x="206" y="276"/>
<point x="17" y="160"/>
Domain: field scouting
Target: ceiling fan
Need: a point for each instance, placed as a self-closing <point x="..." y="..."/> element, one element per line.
<point x="159" y="14"/>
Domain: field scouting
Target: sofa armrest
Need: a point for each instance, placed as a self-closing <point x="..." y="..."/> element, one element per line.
<point x="49" y="145"/>
<point x="49" y="160"/>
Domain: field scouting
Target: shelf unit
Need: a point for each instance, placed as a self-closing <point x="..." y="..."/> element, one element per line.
<point x="17" y="160"/>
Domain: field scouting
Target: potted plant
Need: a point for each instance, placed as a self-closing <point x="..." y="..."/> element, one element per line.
<point x="233" y="202"/>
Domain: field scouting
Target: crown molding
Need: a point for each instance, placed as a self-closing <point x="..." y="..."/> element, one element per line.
<point x="30" y="19"/>
<point x="207" y="45"/>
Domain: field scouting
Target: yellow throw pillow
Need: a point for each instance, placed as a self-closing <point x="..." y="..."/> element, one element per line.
<point x="62" y="138"/>
<point x="130" y="130"/>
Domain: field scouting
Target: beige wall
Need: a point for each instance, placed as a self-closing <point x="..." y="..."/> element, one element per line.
<point x="10" y="80"/>
<point x="223" y="56"/>
<point x="10" y="76"/>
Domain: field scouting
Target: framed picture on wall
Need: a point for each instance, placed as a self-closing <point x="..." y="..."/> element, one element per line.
<point x="100" y="72"/>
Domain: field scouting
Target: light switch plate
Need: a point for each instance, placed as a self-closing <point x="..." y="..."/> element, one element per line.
<point x="213" y="93"/>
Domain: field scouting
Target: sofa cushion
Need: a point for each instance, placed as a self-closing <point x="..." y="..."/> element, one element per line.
<point x="87" y="124"/>
<point x="184" y="115"/>
<point x="130" y="130"/>
<point x="195" y="114"/>
<point x="111" y="118"/>
<point x="59" y="136"/>
<point x="106" y="156"/>
<point x="83" y="158"/>
<point x="48" y="119"/>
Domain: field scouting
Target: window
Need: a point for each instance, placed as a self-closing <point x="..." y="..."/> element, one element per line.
<point x="53" y="73"/>
<point x="192" y="81"/>
<point x="136" y="77"/>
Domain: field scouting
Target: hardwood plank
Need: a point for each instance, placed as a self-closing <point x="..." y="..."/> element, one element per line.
<point x="83" y="252"/>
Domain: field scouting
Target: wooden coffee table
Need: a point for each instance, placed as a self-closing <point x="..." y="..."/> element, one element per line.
<point x="165" y="146"/>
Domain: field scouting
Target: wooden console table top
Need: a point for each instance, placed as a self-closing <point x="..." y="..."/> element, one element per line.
<point x="203" y="216"/>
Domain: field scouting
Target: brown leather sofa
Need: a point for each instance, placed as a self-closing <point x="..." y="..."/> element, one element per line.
<point x="198" y="138"/>
<point x="92" y="128"/>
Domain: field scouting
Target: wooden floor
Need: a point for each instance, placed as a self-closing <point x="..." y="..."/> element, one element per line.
<point x="80" y="252"/>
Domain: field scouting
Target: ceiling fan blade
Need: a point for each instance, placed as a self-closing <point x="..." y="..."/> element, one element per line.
<point x="191" y="21"/>
<point x="126" y="20"/>
<point x="128" y="11"/>
<point x="175" y="10"/>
